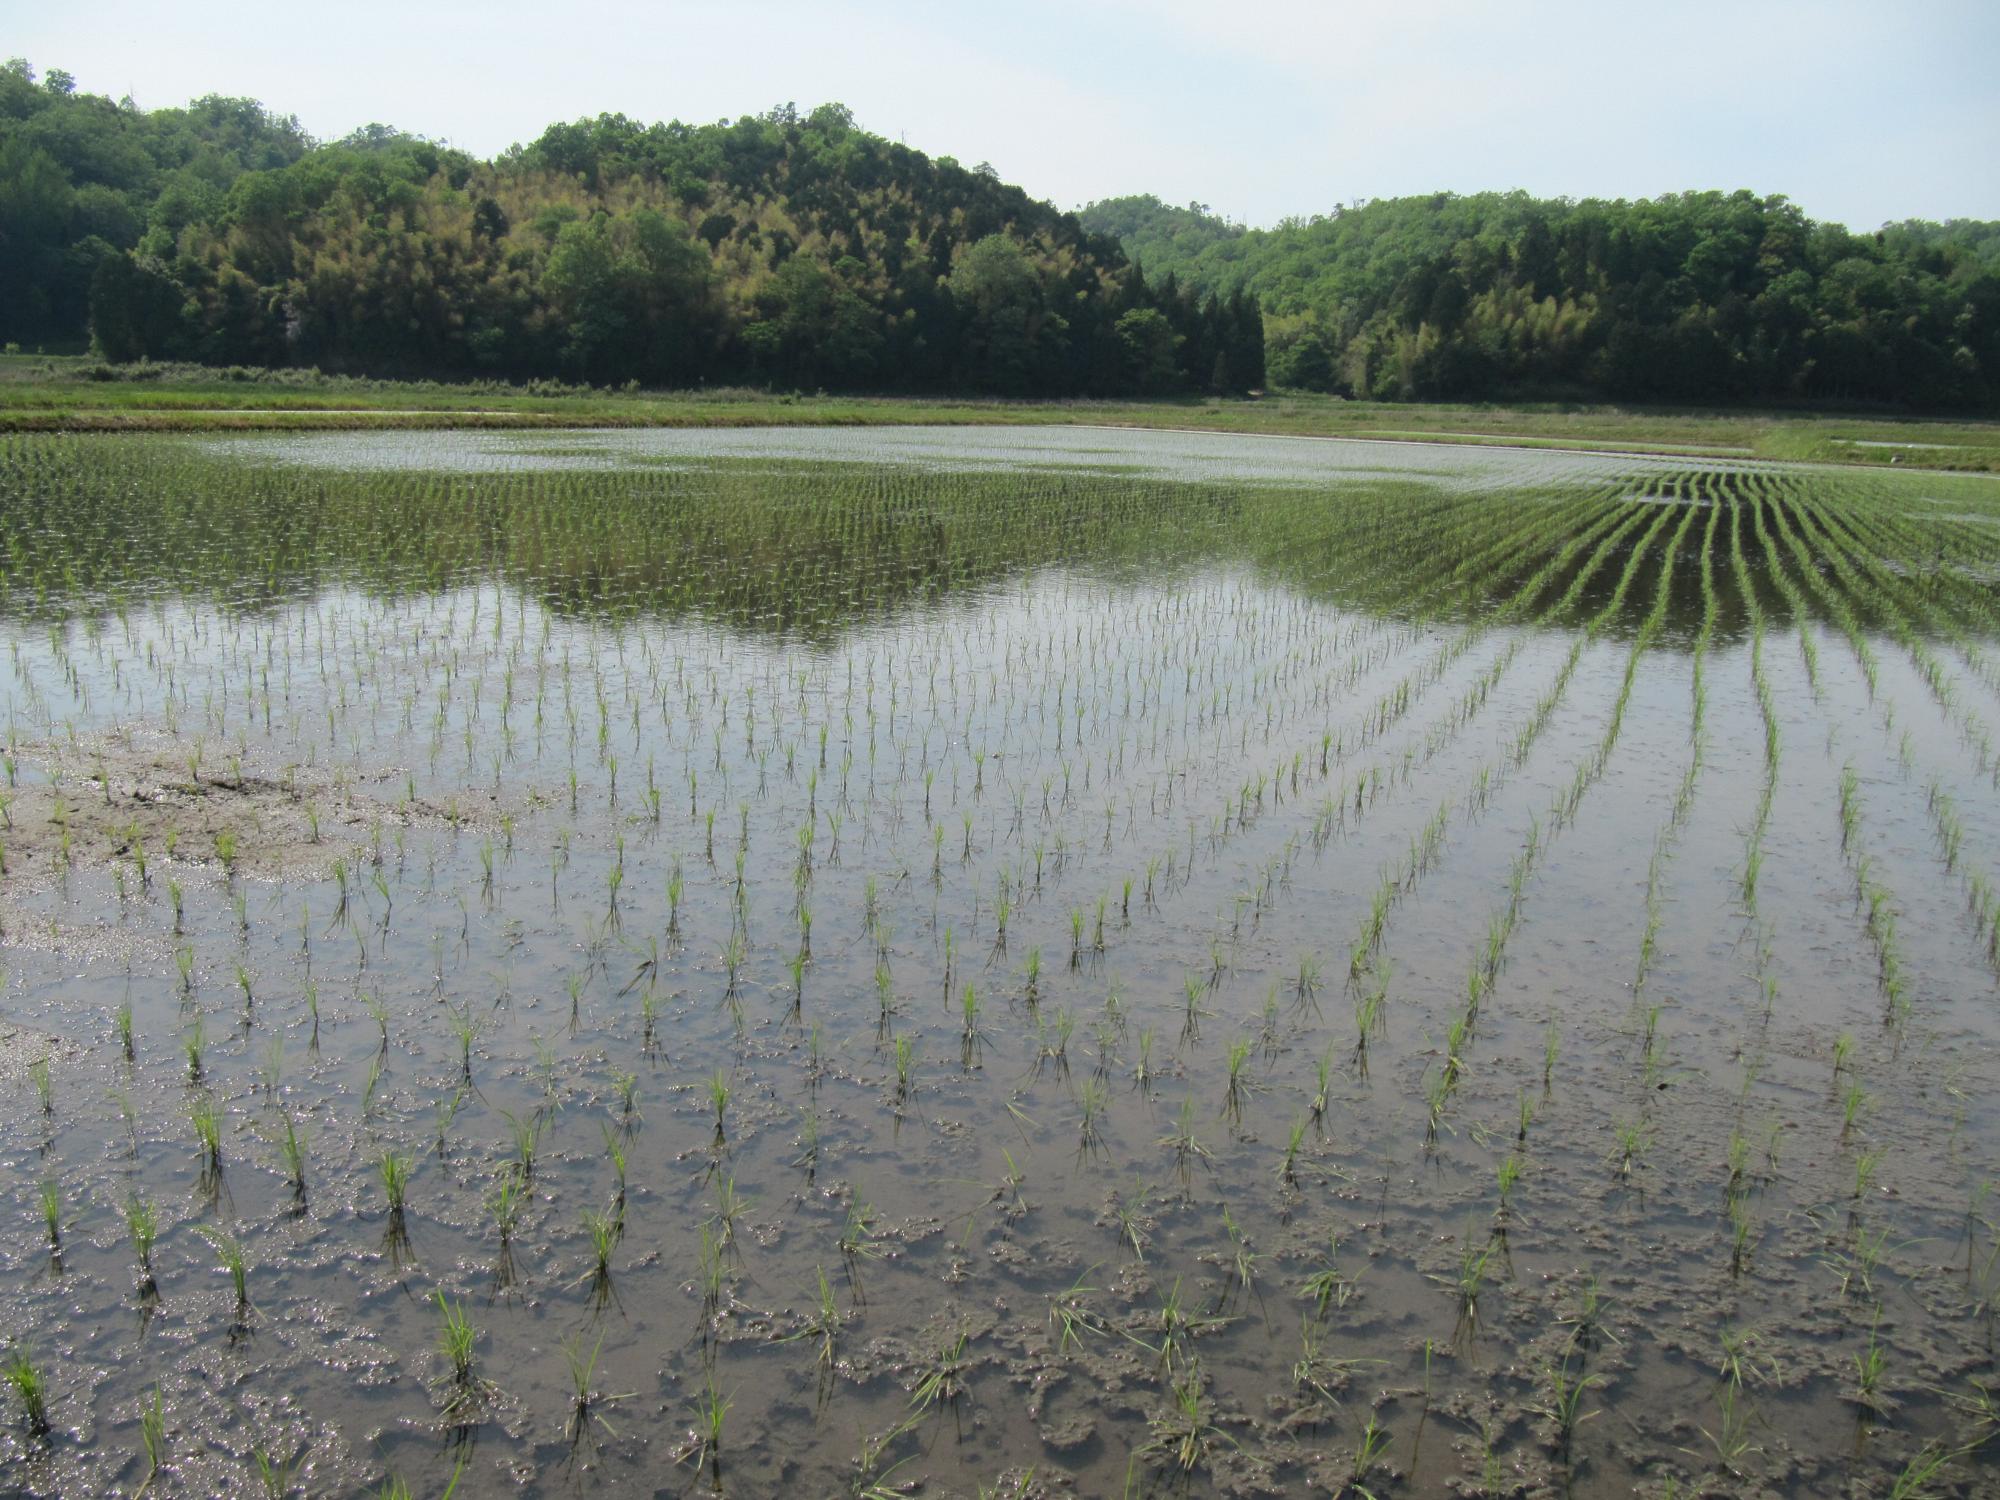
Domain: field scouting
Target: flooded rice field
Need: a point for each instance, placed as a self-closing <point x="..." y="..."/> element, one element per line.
<point x="1009" y="962"/>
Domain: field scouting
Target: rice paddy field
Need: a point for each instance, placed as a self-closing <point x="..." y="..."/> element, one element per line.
<point x="1014" y="961"/>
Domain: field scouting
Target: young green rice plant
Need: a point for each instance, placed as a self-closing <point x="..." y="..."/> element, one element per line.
<point x="457" y="1345"/>
<point x="1288" y="1166"/>
<point x="275" y="1474"/>
<point x="52" y="1216"/>
<point x="230" y="1258"/>
<point x="1469" y="1279"/>
<point x="906" y="1056"/>
<point x="711" y="1410"/>
<point x="505" y="1203"/>
<point x="1242" y="1259"/>
<point x="1186" y="1146"/>
<point x="822" y="1324"/>
<point x="371" y="1087"/>
<point x="207" y="1131"/>
<point x="856" y="1240"/>
<point x="1865" y="1163"/>
<point x="1631" y="1145"/>
<point x="729" y="1207"/>
<point x="30" y="1387"/>
<point x="1070" y="1316"/>
<point x="586" y="1401"/>
<point x="394" y="1171"/>
<point x="292" y="1151"/>
<point x="1143" y="1072"/>
<point x="1330" y="1286"/>
<point x="38" y="1072"/>
<point x="1237" y="1087"/>
<point x="1851" y="1106"/>
<point x="193" y="1044"/>
<point x="1508" y="1173"/>
<point x="943" y="1378"/>
<point x="1185" y="1434"/>
<point x="718" y="1098"/>
<point x="1367" y="1454"/>
<point x="142" y="1227"/>
<point x="1561" y="1406"/>
<point x="614" y="1152"/>
<point x="1092" y="1099"/>
<point x="1869" y="1367"/>
<point x="152" y="1436"/>
<point x="1731" y="1438"/>
<point x="1193" y="987"/>
<point x="601" y="1234"/>
<point x="527" y="1135"/>
<point x="971" y="1036"/>
<point x="1917" y="1477"/>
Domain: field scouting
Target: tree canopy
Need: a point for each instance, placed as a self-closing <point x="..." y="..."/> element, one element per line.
<point x="1709" y="296"/>
<point x="786" y="249"/>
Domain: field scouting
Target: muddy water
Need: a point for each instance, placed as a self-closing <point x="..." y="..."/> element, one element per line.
<point x="454" y="788"/>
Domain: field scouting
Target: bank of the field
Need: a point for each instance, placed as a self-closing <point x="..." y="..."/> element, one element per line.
<point x="40" y="394"/>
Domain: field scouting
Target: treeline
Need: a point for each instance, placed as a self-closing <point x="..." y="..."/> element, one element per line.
<point x="789" y="250"/>
<point x="1708" y="297"/>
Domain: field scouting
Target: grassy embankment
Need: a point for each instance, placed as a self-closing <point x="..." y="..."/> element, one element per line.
<point x="39" y="393"/>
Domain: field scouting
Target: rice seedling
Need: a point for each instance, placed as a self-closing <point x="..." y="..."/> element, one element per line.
<point x="1561" y="1406"/>
<point x="1092" y="1099"/>
<point x="207" y="1131"/>
<point x="704" y="1443"/>
<point x="142" y="1227"/>
<point x="1185" y="1433"/>
<point x="586" y="1401"/>
<point x="856" y="1240"/>
<point x="1367" y="1454"/>
<point x="1288" y="1165"/>
<point x="231" y="1260"/>
<point x="718" y="1098"/>
<point x="194" y="1045"/>
<point x="1330" y="1286"/>
<point x="823" y="1324"/>
<point x="730" y="1206"/>
<point x="30" y="1388"/>
<point x="292" y="1153"/>
<point x="1632" y="1136"/>
<point x="1468" y="1280"/>
<point x="1238" y="1087"/>
<point x="526" y="1135"/>
<point x="38" y="1073"/>
<point x="1070" y="1316"/>
<point x="152" y="1436"/>
<point x="394" y="1172"/>
<point x="457" y="1344"/>
<point x="1186" y="1146"/>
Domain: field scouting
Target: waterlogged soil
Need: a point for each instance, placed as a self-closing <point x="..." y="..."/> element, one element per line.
<point x="911" y="963"/>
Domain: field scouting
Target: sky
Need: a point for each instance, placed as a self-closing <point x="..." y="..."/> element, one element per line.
<point x="1860" y="111"/>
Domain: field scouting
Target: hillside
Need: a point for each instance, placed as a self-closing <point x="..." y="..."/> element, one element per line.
<point x="1709" y="297"/>
<point x="784" y="249"/>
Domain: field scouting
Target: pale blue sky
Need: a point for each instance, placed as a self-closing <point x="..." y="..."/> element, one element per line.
<point x="1860" y="110"/>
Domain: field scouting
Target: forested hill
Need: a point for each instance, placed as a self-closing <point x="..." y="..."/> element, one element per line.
<point x="1709" y="297"/>
<point x="791" y="250"/>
